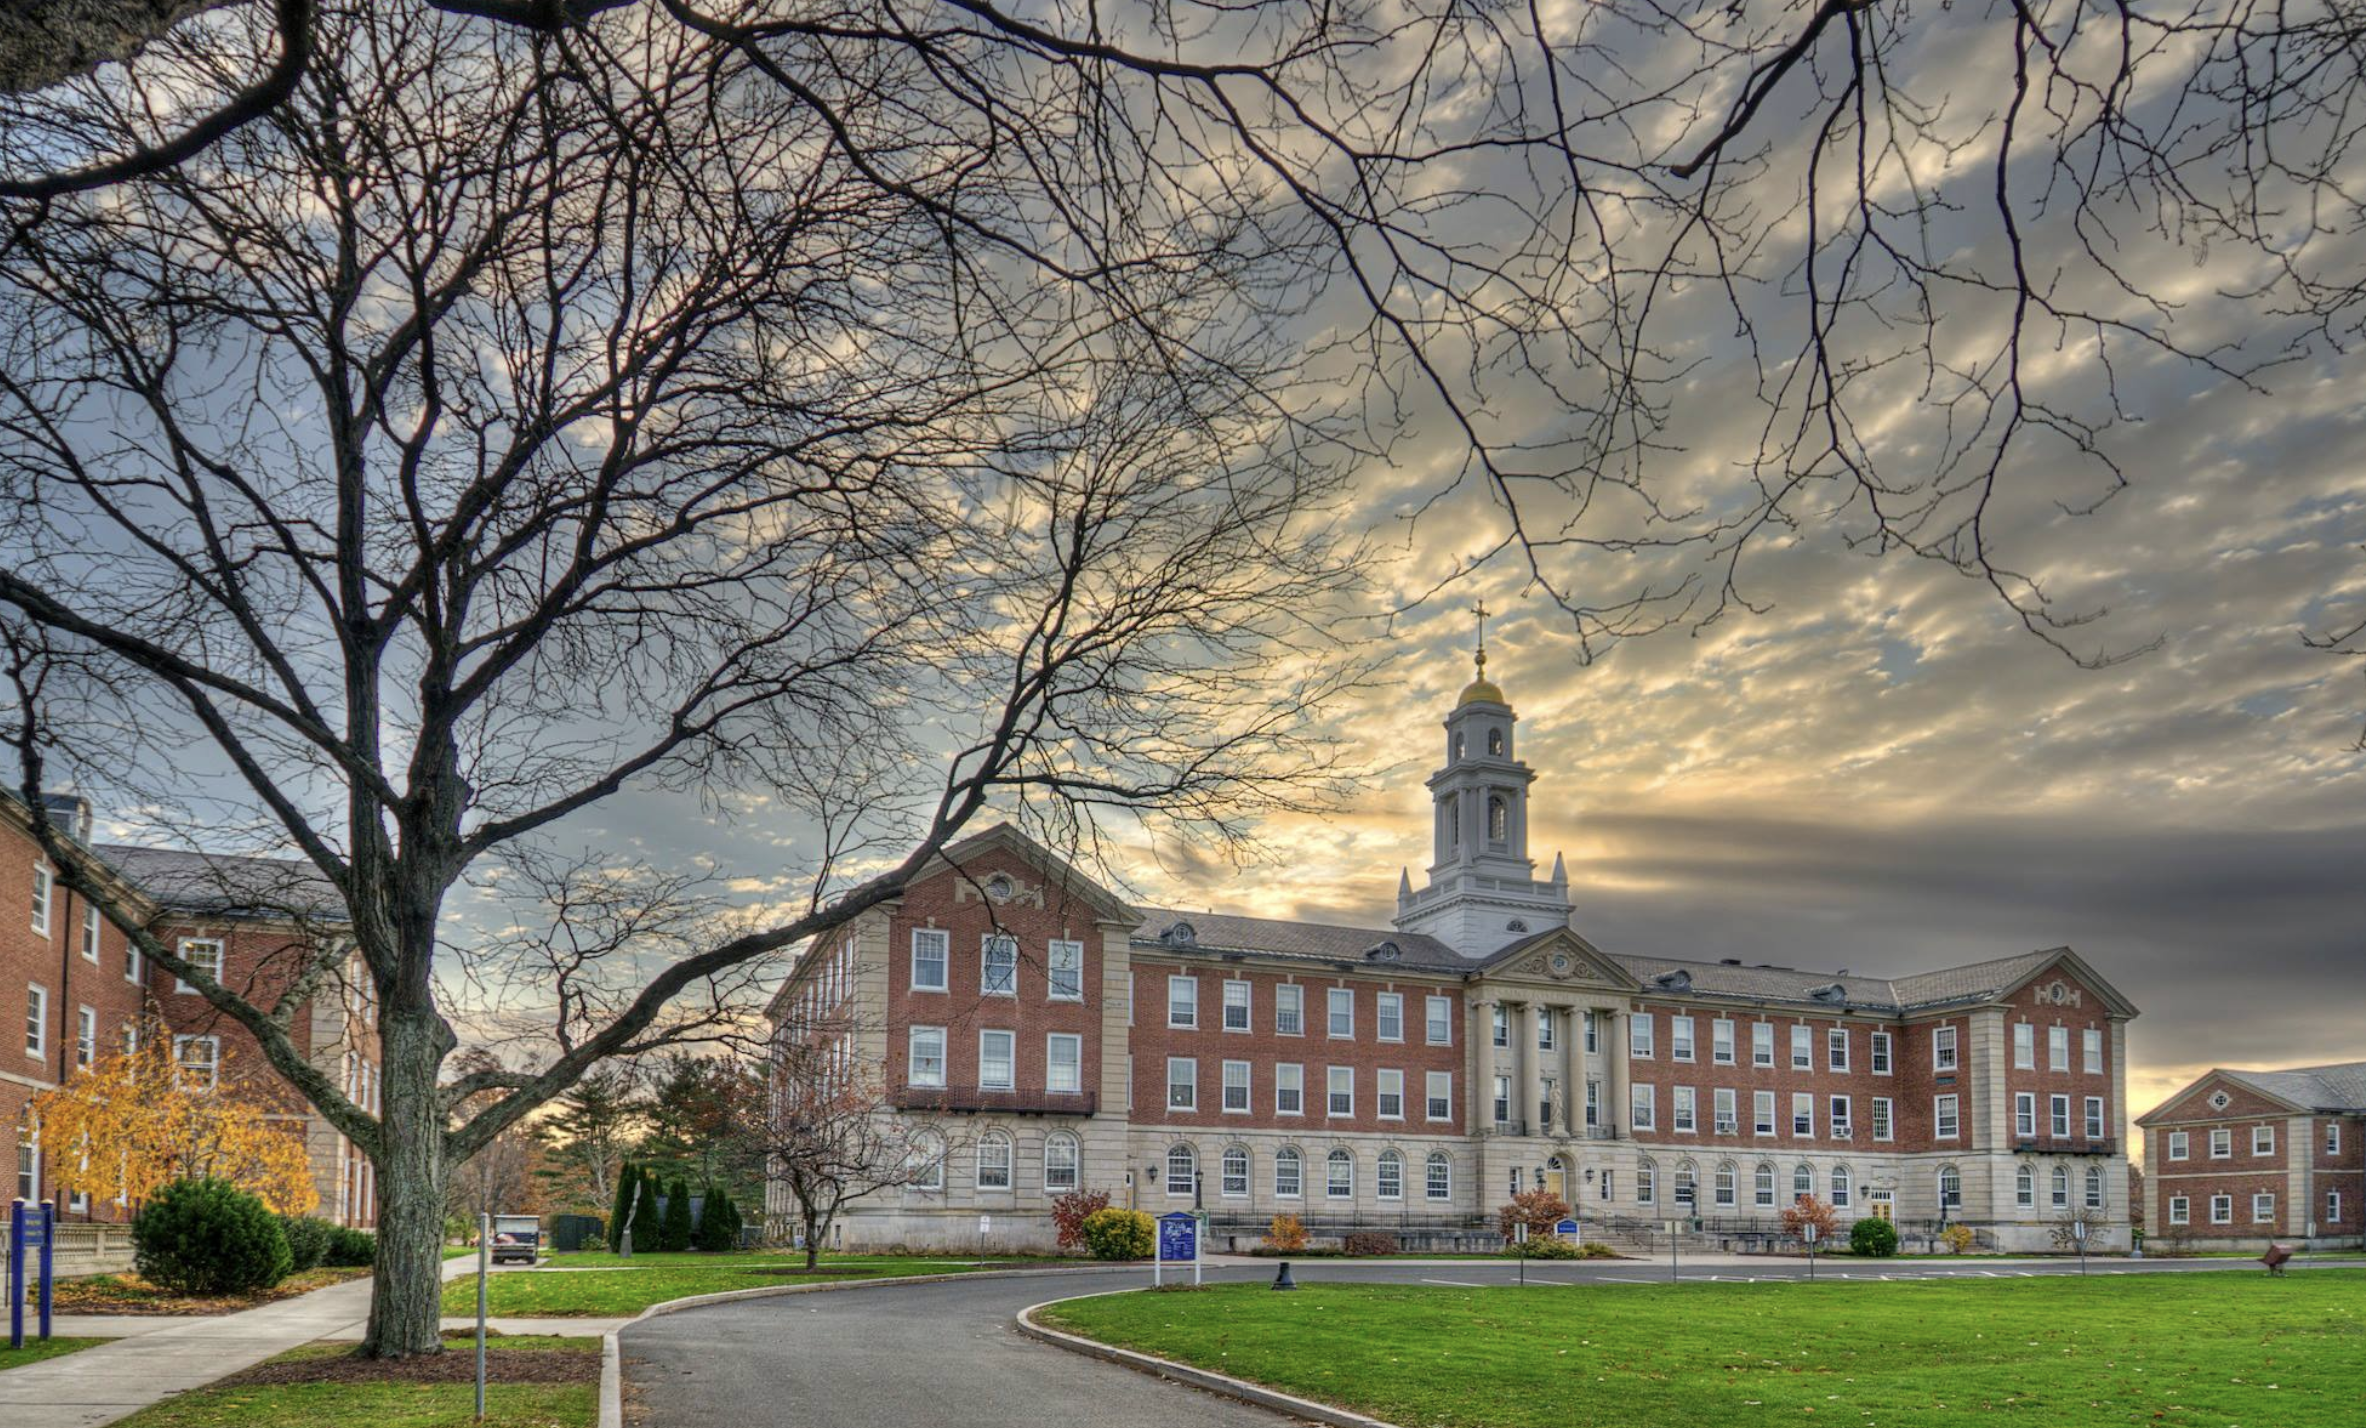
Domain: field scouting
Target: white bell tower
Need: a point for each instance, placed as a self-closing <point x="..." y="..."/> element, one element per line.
<point x="1483" y="892"/>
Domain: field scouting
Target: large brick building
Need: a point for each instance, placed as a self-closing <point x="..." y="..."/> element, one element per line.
<point x="2240" y="1159"/>
<point x="72" y="989"/>
<point x="1413" y="1077"/>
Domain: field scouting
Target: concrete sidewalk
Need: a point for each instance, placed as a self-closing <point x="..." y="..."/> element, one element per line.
<point x="98" y="1386"/>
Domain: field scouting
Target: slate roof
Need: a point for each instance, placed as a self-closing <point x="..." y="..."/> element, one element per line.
<point x="1216" y="933"/>
<point x="2340" y="1087"/>
<point x="1760" y="983"/>
<point x="225" y="885"/>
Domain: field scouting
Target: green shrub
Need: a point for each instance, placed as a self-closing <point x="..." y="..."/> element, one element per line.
<point x="718" y="1221"/>
<point x="1873" y="1237"/>
<point x="1364" y="1242"/>
<point x="1545" y="1247"/>
<point x="673" y="1231"/>
<point x="628" y="1186"/>
<point x="351" y="1248"/>
<point x="308" y="1241"/>
<point x="209" y="1237"/>
<point x="1119" y="1234"/>
<point x="594" y="1241"/>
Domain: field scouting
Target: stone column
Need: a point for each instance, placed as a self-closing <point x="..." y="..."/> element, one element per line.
<point x="1524" y="1074"/>
<point x="1573" y="1073"/>
<point x="1613" y="1021"/>
<point x="1488" y="1069"/>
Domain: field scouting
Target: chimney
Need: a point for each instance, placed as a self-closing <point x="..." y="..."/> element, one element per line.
<point x="71" y="813"/>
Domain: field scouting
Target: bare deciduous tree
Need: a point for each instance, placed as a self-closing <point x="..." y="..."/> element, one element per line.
<point x="505" y="422"/>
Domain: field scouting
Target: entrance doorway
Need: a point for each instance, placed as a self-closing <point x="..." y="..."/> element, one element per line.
<point x="1556" y="1177"/>
<point x="1882" y="1201"/>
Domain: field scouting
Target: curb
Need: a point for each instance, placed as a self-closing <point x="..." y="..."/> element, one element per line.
<point x="612" y="1363"/>
<point x="1224" y="1384"/>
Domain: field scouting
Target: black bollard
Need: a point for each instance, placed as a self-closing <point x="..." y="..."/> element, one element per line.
<point x="1283" y="1279"/>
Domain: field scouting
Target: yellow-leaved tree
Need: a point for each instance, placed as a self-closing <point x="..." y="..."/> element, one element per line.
<point x="128" y="1124"/>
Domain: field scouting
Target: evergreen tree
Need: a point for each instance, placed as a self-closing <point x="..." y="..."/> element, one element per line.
<point x="675" y="1234"/>
<point x="718" y="1221"/>
<point x="628" y="1189"/>
<point x="648" y="1234"/>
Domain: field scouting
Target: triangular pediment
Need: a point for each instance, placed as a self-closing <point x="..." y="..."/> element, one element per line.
<point x="2063" y="962"/>
<point x="1558" y="957"/>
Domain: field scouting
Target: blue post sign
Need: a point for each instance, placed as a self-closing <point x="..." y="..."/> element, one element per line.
<point x="1178" y="1243"/>
<point x="1565" y="1228"/>
<point x="31" y="1228"/>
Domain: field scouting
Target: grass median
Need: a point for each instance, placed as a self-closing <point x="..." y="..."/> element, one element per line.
<point x="532" y="1383"/>
<point x="35" y="1350"/>
<point x="2214" y="1349"/>
<point x="600" y="1285"/>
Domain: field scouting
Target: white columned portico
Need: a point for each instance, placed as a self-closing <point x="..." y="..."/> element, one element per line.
<point x="1613" y="1021"/>
<point x="1483" y="1120"/>
<point x="1525" y="1081"/>
<point x="1573" y="1072"/>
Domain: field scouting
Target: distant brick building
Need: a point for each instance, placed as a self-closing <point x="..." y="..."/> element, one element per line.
<point x="1412" y="1078"/>
<point x="73" y="989"/>
<point x="2240" y="1159"/>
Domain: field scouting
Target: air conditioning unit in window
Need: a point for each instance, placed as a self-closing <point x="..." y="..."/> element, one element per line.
<point x="1726" y="1125"/>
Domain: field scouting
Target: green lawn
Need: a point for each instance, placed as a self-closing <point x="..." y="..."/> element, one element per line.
<point x="598" y="1284"/>
<point x="2202" y="1349"/>
<point x="386" y="1405"/>
<point x="35" y="1350"/>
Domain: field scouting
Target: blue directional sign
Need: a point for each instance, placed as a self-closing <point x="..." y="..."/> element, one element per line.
<point x="1565" y="1228"/>
<point x="1178" y="1237"/>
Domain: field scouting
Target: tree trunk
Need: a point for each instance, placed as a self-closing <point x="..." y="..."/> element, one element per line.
<point x="814" y="1227"/>
<point x="406" y="1294"/>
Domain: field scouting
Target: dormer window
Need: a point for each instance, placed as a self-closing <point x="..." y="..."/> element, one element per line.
<point x="1495" y="742"/>
<point x="1181" y="934"/>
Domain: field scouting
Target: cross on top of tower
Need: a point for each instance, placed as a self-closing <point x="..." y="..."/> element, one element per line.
<point x="1481" y="690"/>
<point x="1480" y="611"/>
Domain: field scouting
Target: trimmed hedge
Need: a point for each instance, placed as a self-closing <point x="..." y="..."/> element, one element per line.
<point x="351" y="1249"/>
<point x="674" y="1226"/>
<point x="1873" y="1237"/>
<point x="308" y="1241"/>
<point x="1119" y="1234"/>
<point x="209" y="1237"/>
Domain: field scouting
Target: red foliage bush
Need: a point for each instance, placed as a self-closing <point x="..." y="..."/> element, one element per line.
<point x="1371" y="1242"/>
<point x="1069" y="1211"/>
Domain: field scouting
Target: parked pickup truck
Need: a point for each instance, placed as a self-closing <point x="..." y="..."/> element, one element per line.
<point x="517" y="1237"/>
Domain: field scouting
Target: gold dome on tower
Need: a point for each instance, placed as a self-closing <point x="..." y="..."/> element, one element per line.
<point x="1481" y="689"/>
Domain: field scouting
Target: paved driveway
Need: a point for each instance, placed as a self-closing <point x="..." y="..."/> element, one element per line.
<point x="897" y="1356"/>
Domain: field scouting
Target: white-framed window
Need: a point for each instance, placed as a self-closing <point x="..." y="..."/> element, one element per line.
<point x="1341" y="1005"/>
<point x="1803" y="1113"/>
<point x="1950" y="1189"/>
<point x="90" y="934"/>
<point x="1725" y="1185"/>
<point x="28" y="1157"/>
<point x="927" y="1056"/>
<point x="2025" y="1114"/>
<point x="2180" y="1145"/>
<point x="2263" y="1208"/>
<point x="2263" y="1140"/>
<point x="2060" y="1188"/>
<point x="1438" y="1176"/>
<point x="1593" y="1103"/>
<point x="1646" y="1183"/>
<point x="1943" y="1057"/>
<point x="928" y="1153"/>
<point x="1503" y="1105"/>
<point x="2222" y="1209"/>
<point x="2091" y="1050"/>
<point x="1239" y="1006"/>
<point x="2180" y="1210"/>
<point x="1728" y="1118"/>
<point x="1289" y="1010"/>
<point x="1440" y="1096"/>
<point x="1639" y="1036"/>
<point x="994" y="1161"/>
<point x="2333" y="1207"/>
<point x="1593" y="1031"/>
<point x="1236" y="1088"/>
<point x="1182" y="1170"/>
<point x="1762" y="1186"/>
<point x="998" y="965"/>
<point x="86" y="1036"/>
<point x="2094" y="1196"/>
<point x="1946" y="1119"/>
<point x="1339" y="1175"/>
<point x="1391" y="1091"/>
<point x="1233" y="1180"/>
<point x="197" y="1061"/>
<point x="1837" y="1119"/>
<point x="1289" y="1089"/>
<point x="1881" y="1053"/>
<point x="932" y="948"/>
<point x="1288" y="1174"/>
<point x="1063" y="1062"/>
<point x="1339" y="1085"/>
<point x="2222" y="1143"/>
<point x="1547" y="1028"/>
<point x="997" y="1060"/>
<point x="203" y="953"/>
<point x="44" y="885"/>
<point x="1762" y="1113"/>
<point x="1762" y="1043"/>
<point x="1680" y="1038"/>
<point x="1682" y="1111"/>
<point x="1803" y="1047"/>
<point x="1440" y="1021"/>
<point x="36" y="1021"/>
<point x="2024" y="1046"/>
<point x="1687" y="1186"/>
<point x="2025" y="1187"/>
<point x="1063" y="1163"/>
<point x="1721" y="1042"/>
<point x="2058" y="1116"/>
<point x="1844" y="1187"/>
<point x="135" y="968"/>
<point x="1183" y="1001"/>
<point x="1885" y="1126"/>
<point x="1642" y="1113"/>
<point x="2095" y="1127"/>
<point x="1182" y="1083"/>
<point x="2057" y="1047"/>
<point x="2332" y="1138"/>
<point x="1836" y="1048"/>
<point x="1388" y="1178"/>
<point x="1064" y="971"/>
<point x="1388" y="1016"/>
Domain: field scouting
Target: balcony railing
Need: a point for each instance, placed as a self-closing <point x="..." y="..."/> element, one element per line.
<point x="972" y="1099"/>
<point x="2065" y="1145"/>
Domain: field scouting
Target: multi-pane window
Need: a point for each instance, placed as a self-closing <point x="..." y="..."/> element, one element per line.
<point x="90" y="935"/>
<point x="1946" y="1119"/>
<point x="42" y="886"/>
<point x="2059" y="1195"/>
<point x="1182" y="1002"/>
<point x="1836" y="1116"/>
<point x="1392" y="1095"/>
<point x="2222" y="1143"/>
<point x="2025" y="1187"/>
<point x="1803" y="1055"/>
<point x="197" y="1060"/>
<point x="1238" y="1008"/>
<point x="1339" y="1175"/>
<point x="2263" y="1140"/>
<point x="2222" y="1209"/>
<point x="1680" y="1038"/>
<point x="1639" y="1036"/>
<point x="930" y="948"/>
<point x="2180" y="1210"/>
<point x="2333" y="1137"/>
<point x="1234" y="1180"/>
<point x="1288" y="1174"/>
<point x="1683" y="1110"/>
<point x="1844" y="1187"/>
<point x="1950" y="1189"/>
<point x="1642" y="1114"/>
<point x="1803" y="1181"/>
<point x="1499" y="1025"/>
<point x="1063" y="1062"/>
<point x="1646" y="1183"/>
<point x="36" y="1021"/>
<point x="1182" y="1170"/>
<point x="1236" y="1087"/>
<point x="1439" y="1180"/>
<point x="1688" y="1188"/>
<point x="1762" y="1112"/>
<point x="2094" y="1118"/>
<point x="997" y="1057"/>
<point x="1182" y="1083"/>
<point x="1388" y="1181"/>
<point x="1441" y="1021"/>
<point x="2180" y="1146"/>
<point x="1881" y="1053"/>
<point x="2025" y="1114"/>
<point x="1389" y="1015"/>
<point x="1593" y="1031"/>
<point x="1440" y="1096"/>
<point x="1836" y="1048"/>
<point x="1289" y="1010"/>
<point x="2024" y="1046"/>
<point x="1503" y="1102"/>
<point x="1728" y="1120"/>
<point x="86" y="1037"/>
<point x="2094" y="1198"/>
<point x="1544" y="1028"/>
<point x="1762" y="1043"/>
<point x="1803" y="1113"/>
<point x="1341" y="1002"/>
<point x="2091" y="1048"/>
<point x="2263" y="1209"/>
<point x="994" y="1160"/>
<point x="134" y="967"/>
<point x="203" y="954"/>
<point x="1340" y="1091"/>
<point x="2058" y="1116"/>
<point x="1725" y="1185"/>
<point x="998" y="965"/>
<point x="2333" y="1207"/>
<point x="1289" y="1089"/>
<point x="1884" y="1127"/>
<point x="1064" y="966"/>
<point x="1062" y="1168"/>
<point x="1721" y="1042"/>
<point x="1593" y="1103"/>
<point x="2057" y="1048"/>
<point x="1943" y="1048"/>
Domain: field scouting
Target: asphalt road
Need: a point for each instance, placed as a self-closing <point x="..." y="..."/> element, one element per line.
<point x="895" y="1356"/>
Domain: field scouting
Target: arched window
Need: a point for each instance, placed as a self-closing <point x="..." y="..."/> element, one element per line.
<point x="1441" y="1175"/>
<point x="1495" y="742"/>
<point x="1762" y="1186"/>
<point x="1803" y="1180"/>
<point x="1288" y="1174"/>
<point x="1688" y="1187"/>
<point x="1499" y="817"/>
<point x="1950" y="1189"/>
<point x="2061" y="1183"/>
<point x="2025" y="1186"/>
<point x="1727" y="1184"/>
<point x="1236" y="1172"/>
<point x="1458" y="744"/>
<point x="1182" y="1169"/>
<point x="2094" y="1188"/>
<point x="1844" y="1186"/>
<point x="1339" y="1175"/>
<point x="1063" y="1163"/>
<point x="1389" y="1183"/>
<point x="1646" y="1181"/>
<point x="928" y="1158"/>
<point x="994" y="1159"/>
